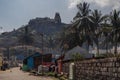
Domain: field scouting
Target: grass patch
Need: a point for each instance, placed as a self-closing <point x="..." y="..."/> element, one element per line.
<point x="50" y="74"/>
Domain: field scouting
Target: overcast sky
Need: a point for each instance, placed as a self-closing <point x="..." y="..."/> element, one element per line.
<point x="15" y="13"/>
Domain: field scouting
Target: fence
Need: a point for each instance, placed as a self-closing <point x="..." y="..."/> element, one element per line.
<point x="95" y="69"/>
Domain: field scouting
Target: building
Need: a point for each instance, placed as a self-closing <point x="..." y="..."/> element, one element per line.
<point x="33" y="61"/>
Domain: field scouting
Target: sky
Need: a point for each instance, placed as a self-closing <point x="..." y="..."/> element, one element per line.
<point x="15" y="13"/>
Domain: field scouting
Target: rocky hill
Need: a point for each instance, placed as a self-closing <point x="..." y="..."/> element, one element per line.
<point x="47" y="26"/>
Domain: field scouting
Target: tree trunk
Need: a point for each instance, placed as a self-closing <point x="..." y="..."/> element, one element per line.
<point x="87" y="46"/>
<point x="98" y="49"/>
<point x="26" y="53"/>
<point x="115" y="43"/>
<point x="115" y="48"/>
<point x="106" y="47"/>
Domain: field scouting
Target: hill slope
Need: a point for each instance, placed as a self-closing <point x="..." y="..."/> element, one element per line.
<point x="47" y="26"/>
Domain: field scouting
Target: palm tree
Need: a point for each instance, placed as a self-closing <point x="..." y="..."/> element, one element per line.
<point x="96" y="19"/>
<point x="107" y="43"/>
<point x="79" y="30"/>
<point x="115" y="22"/>
<point x="81" y="23"/>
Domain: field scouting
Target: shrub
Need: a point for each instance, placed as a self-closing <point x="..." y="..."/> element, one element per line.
<point x="77" y="57"/>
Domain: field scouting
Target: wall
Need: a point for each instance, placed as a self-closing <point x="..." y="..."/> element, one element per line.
<point x="0" y="60"/>
<point x="65" y="67"/>
<point x="59" y="66"/>
<point x="96" y="69"/>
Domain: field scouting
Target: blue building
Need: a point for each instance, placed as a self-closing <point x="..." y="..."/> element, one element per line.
<point x="33" y="61"/>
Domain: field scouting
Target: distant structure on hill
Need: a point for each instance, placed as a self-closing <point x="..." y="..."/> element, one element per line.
<point x="57" y="18"/>
<point x="47" y="25"/>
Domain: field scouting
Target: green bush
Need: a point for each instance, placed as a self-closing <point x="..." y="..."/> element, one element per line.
<point x="77" y="57"/>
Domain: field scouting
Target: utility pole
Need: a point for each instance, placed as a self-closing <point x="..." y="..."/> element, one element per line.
<point x="42" y="51"/>
<point x="42" y="37"/>
<point x="8" y="55"/>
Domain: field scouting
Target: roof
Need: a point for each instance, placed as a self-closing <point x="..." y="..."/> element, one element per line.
<point x="37" y="54"/>
<point x="33" y="55"/>
<point x="77" y="49"/>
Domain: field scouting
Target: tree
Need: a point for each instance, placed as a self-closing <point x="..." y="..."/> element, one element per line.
<point x="71" y="40"/>
<point x="79" y="30"/>
<point x="77" y="57"/>
<point x="96" y="19"/>
<point x="81" y="24"/>
<point x="115" y="22"/>
<point x="107" y="42"/>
